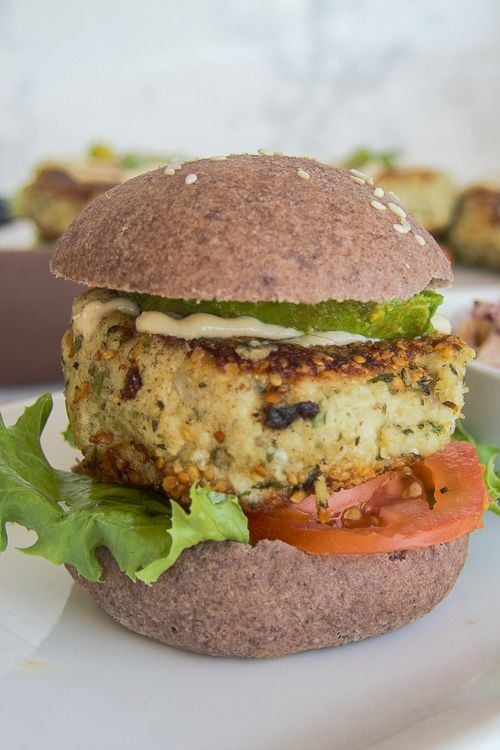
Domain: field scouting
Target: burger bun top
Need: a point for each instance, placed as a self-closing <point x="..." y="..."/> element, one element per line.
<point x="251" y="228"/>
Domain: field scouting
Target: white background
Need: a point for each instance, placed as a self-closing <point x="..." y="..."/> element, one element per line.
<point x="313" y="77"/>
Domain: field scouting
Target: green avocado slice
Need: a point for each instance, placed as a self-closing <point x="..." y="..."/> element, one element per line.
<point x="388" y="320"/>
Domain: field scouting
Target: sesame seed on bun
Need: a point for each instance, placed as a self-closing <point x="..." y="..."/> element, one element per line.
<point x="252" y="228"/>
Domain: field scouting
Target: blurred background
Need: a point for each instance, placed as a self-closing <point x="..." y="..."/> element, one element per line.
<point x="317" y="77"/>
<point x="93" y="93"/>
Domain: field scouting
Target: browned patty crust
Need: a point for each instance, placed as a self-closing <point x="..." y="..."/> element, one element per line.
<point x="261" y="420"/>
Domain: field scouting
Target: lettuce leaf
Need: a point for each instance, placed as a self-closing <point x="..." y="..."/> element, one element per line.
<point x="362" y="156"/>
<point x="73" y="515"/>
<point x="69" y="436"/>
<point x="487" y="454"/>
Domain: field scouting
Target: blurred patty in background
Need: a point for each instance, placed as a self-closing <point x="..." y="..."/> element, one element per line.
<point x="475" y="232"/>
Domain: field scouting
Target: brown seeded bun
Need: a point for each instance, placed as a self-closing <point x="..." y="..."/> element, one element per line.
<point x="230" y="599"/>
<point x="249" y="229"/>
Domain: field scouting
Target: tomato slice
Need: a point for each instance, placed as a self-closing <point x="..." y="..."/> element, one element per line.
<point x="453" y="477"/>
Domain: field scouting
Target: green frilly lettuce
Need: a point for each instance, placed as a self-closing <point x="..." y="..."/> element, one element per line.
<point x="488" y="455"/>
<point x="73" y="515"/>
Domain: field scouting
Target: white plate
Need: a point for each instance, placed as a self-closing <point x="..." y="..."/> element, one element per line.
<point x="72" y="679"/>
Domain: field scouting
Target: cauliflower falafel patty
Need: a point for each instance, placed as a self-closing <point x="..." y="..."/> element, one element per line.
<point x="263" y="420"/>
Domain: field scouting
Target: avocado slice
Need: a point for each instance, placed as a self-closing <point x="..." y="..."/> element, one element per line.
<point x="388" y="320"/>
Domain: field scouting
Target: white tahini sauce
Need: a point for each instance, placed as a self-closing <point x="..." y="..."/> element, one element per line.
<point x="89" y="318"/>
<point x="328" y="338"/>
<point x="206" y="326"/>
<point x="441" y="324"/>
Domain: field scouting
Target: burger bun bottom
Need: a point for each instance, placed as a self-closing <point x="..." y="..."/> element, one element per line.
<point x="231" y="599"/>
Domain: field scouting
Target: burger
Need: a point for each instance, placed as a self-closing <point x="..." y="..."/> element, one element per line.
<point x="264" y="397"/>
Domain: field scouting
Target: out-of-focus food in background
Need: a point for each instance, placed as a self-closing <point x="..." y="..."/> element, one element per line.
<point x="474" y="312"/>
<point x="481" y="330"/>
<point x="475" y="231"/>
<point x="59" y="190"/>
<point x="370" y="161"/>
<point x="427" y="194"/>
